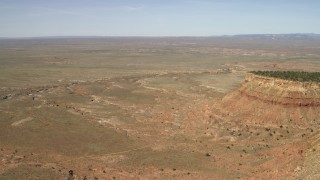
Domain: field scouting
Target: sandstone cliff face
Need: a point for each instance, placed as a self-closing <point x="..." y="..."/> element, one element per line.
<point x="271" y="101"/>
<point x="279" y="91"/>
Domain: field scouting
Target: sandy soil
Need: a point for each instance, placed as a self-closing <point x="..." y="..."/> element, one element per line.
<point x="152" y="109"/>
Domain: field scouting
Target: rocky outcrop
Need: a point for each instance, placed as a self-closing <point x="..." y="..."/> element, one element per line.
<point x="279" y="91"/>
<point x="266" y="100"/>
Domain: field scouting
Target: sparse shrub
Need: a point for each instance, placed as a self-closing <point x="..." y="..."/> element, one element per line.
<point x="300" y="76"/>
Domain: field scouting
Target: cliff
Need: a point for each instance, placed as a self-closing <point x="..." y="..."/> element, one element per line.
<point x="271" y="101"/>
<point x="279" y="91"/>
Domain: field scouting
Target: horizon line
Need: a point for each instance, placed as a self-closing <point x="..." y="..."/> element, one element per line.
<point x="148" y="36"/>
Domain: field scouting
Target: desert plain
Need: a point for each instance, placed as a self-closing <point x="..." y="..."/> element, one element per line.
<point x="157" y="108"/>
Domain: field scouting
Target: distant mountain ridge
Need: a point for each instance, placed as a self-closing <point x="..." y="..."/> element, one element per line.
<point x="279" y="36"/>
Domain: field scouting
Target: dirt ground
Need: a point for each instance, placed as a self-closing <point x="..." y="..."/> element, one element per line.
<point x="147" y="109"/>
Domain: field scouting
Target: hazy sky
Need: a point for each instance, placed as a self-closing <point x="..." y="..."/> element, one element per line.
<point x="21" y="18"/>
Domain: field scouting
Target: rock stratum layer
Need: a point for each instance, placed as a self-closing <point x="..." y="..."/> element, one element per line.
<point x="271" y="101"/>
<point x="279" y="91"/>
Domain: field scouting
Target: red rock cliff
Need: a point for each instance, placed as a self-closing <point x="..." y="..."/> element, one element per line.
<point x="269" y="100"/>
<point x="279" y="91"/>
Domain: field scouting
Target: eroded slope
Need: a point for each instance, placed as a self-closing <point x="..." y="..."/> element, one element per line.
<point x="265" y="100"/>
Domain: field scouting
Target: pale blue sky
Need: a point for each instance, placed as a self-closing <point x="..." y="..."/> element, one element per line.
<point x="29" y="18"/>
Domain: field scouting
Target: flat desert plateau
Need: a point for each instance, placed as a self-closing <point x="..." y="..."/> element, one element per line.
<point x="158" y="108"/>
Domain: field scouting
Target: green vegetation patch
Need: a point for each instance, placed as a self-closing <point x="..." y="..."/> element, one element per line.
<point x="300" y="76"/>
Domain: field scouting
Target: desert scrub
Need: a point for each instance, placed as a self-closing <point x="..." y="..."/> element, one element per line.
<point x="301" y="76"/>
